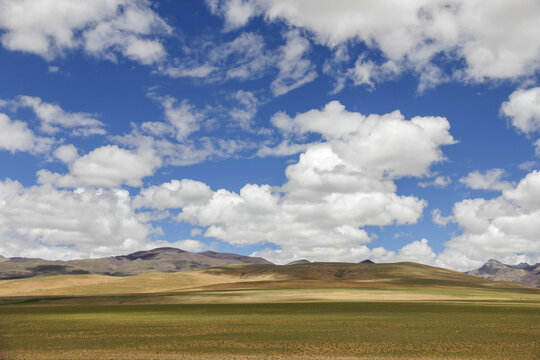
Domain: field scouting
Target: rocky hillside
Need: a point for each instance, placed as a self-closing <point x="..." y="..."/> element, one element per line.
<point x="140" y="262"/>
<point x="523" y="273"/>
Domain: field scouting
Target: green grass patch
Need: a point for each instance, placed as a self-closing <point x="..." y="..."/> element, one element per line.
<point x="386" y="330"/>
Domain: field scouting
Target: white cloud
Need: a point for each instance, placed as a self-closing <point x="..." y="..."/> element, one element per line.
<point x="246" y="109"/>
<point x="46" y="222"/>
<point x="43" y="221"/>
<point x="388" y="143"/>
<point x="294" y="69"/>
<point x="523" y="108"/>
<point x="196" y="232"/>
<point x="16" y="136"/>
<point x="197" y="71"/>
<point x="284" y="148"/>
<point x="364" y="72"/>
<point x="236" y="12"/>
<point x="106" y="166"/>
<point x="330" y="195"/>
<point x="174" y="194"/>
<point x="506" y="227"/>
<point x="438" y="219"/>
<point x="66" y="153"/>
<point x="102" y="28"/>
<point x="309" y="213"/>
<point x="53" y="118"/>
<point x="490" y="180"/>
<point x="184" y="118"/>
<point x="495" y="40"/>
<point x="186" y="152"/>
<point x="439" y="181"/>
<point x="187" y="245"/>
<point x="528" y="165"/>
<point x="180" y="139"/>
<point x="416" y="251"/>
<point x="245" y="57"/>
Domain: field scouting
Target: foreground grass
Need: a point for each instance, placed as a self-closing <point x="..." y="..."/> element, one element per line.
<point x="370" y="330"/>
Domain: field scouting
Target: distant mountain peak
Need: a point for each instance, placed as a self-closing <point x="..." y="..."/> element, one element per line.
<point x="150" y="254"/>
<point x="367" y="261"/>
<point x="231" y="256"/>
<point x="495" y="270"/>
<point x="299" y="262"/>
<point x="493" y="265"/>
<point x="525" y="266"/>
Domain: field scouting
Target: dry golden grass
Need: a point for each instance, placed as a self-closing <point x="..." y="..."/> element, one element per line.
<point x="264" y="283"/>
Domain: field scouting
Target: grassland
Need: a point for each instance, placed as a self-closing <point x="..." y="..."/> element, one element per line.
<point x="320" y="311"/>
<point x="389" y="330"/>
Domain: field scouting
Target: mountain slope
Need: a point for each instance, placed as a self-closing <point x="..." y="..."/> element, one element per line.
<point x="156" y="260"/>
<point x="268" y="283"/>
<point x="523" y="273"/>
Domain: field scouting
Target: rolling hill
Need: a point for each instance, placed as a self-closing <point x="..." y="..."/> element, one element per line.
<point x="156" y="260"/>
<point x="273" y="283"/>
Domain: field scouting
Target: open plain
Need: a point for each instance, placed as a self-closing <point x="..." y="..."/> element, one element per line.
<point x="309" y="311"/>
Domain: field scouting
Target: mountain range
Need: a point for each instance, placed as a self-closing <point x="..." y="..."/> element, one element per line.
<point x="166" y="259"/>
<point x="522" y="273"/>
<point x="173" y="260"/>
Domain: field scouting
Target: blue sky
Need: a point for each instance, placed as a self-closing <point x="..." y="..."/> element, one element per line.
<point x="396" y="131"/>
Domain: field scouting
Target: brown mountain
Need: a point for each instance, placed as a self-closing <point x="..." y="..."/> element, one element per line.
<point x="165" y="259"/>
<point x="299" y="262"/>
<point x="522" y="273"/>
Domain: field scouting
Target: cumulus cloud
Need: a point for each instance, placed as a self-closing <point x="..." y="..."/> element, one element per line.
<point x="414" y="35"/>
<point x="236" y="12"/>
<point x="43" y="221"/>
<point x="53" y="118"/>
<point x="184" y="118"/>
<point x="437" y="218"/>
<point x="489" y="180"/>
<point x="523" y="109"/>
<point x="388" y="143"/>
<point x="101" y="28"/>
<point x="416" y="251"/>
<point x="174" y="194"/>
<point x="66" y="153"/>
<point x="187" y="245"/>
<point x="506" y="227"/>
<point x="51" y="223"/>
<point x="106" y="166"/>
<point x="16" y="136"/>
<point x="330" y="196"/>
